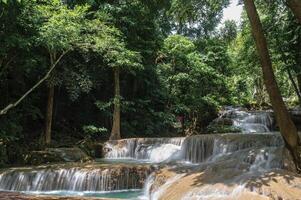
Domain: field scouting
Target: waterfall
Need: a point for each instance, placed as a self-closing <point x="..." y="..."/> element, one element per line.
<point x="197" y="149"/>
<point x="225" y="178"/>
<point x="194" y="149"/>
<point x="249" y="122"/>
<point x="219" y="156"/>
<point x="74" y="179"/>
<point x="151" y="149"/>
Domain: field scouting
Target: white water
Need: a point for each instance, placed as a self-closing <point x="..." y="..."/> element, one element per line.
<point x="263" y="160"/>
<point x="249" y="122"/>
<point x="249" y="163"/>
<point x="194" y="149"/>
<point x="259" y="152"/>
<point x="154" y="150"/>
<point x="73" y="179"/>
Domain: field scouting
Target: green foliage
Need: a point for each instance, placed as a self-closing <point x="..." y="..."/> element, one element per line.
<point x="191" y="85"/>
<point x="93" y="131"/>
<point x="163" y="76"/>
<point x="283" y="34"/>
<point x="229" y="31"/>
<point x="61" y="27"/>
<point x="197" y="18"/>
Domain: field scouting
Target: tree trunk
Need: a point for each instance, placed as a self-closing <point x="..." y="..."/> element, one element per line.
<point x="299" y="81"/>
<point x="49" y="113"/>
<point x="115" y="133"/>
<point x="295" y="6"/>
<point x="287" y="127"/>
<point x="49" y="109"/>
<point x="296" y="88"/>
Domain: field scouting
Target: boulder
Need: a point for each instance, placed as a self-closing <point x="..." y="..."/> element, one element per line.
<point x="223" y="121"/>
<point x="56" y="155"/>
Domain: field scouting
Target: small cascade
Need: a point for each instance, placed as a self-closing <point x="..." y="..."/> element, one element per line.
<point x="74" y="179"/>
<point x="224" y="178"/>
<point x="197" y="149"/>
<point x="194" y="149"/>
<point x="266" y="159"/>
<point x="249" y="122"/>
<point x="151" y="149"/>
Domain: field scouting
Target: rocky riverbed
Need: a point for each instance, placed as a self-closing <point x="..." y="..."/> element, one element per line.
<point x="19" y="196"/>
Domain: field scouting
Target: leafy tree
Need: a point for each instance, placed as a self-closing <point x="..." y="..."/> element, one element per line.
<point x="143" y="25"/>
<point x="118" y="57"/>
<point x="190" y="84"/>
<point x="286" y="125"/>
<point x="60" y="33"/>
<point x="197" y="18"/>
<point x="229" y="31"/>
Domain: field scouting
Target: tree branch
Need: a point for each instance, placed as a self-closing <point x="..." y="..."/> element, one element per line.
<point x="12" y="105"/>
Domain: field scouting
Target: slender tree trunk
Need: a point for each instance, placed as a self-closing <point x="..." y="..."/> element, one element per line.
<point x="49" y="114"/>
<point x="287" y="127"/>
<point x="296" y="88"/>
<point x="115" y="133"/>
<point x="299" y="81"/>
<point x="49" y="109"/>
<point x="295" y="6"/>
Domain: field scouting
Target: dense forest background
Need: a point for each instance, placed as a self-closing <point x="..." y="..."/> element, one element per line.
<point x="174" y="61"/>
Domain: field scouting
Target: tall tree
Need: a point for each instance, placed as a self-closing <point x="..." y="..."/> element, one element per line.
<point x="120" y="58"/>
<point x="286" y="125"/>
<point x="295" y="6"/>
<point x="182" y="69"/>
<point x="59" y="34"/>
<point x="115" y="132"/>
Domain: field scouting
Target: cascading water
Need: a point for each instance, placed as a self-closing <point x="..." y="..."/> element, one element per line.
<point x="249" y="122"/>
<point x="194" y="149"/>
<point x="96" y="178"/>
<point x="154" y="150"/>
<point x="236" y="156"/>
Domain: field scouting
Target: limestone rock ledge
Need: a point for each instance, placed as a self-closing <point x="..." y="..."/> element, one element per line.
<point x="227" y="179"/>
<point x="210" y="185"/>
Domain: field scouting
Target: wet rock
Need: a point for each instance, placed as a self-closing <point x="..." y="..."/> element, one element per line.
<point x="54" y="155"/>
<point x="98" y="150"/>
<point x="41" y="157"/>
<point x="70" y="154"/>
<point x="288" y="162"/>
<point x="92" y="148"/>
<point x="225" y="182"/>
<point x="223" y="121"/>
<point x="296" y="117"/>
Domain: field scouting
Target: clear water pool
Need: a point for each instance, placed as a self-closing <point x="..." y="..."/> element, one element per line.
<point x="122" y="194"/>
